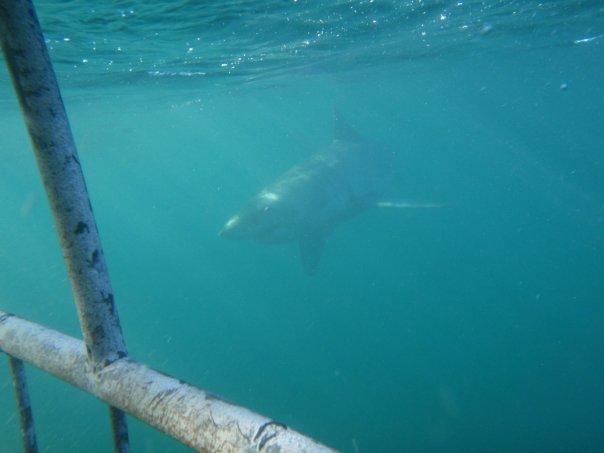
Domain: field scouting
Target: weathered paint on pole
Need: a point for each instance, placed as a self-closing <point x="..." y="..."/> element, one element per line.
<point x="40" y="99"/>
<point x="193" y="416"/>
<point x="36" y="87"/>
<point x="28" y="432"/>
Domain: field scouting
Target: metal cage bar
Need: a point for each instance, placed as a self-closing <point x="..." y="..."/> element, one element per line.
<point x="195" y="417"/>
<point x="99" y="365"/>
<point x="26" y="418"/>
<point x="40" y="99"/>
<point x="36" y="87"/>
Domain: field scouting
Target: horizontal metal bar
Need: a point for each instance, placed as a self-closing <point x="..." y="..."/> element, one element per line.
<point x="28" y="432"/>
<point x="191" y="415"/>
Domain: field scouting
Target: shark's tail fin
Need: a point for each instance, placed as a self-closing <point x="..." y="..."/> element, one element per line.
<point x="408" y="205"/>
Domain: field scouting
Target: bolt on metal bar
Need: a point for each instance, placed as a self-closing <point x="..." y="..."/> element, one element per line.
<point x="195" y="417"/>
<point x="28" y="432"/>
<point x="36" y="86"/>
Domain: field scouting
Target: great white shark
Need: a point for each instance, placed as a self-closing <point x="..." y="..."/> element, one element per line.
<point x="308" y="201"/>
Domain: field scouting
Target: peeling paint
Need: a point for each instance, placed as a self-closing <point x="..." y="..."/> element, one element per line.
<point x="182" y="411"/>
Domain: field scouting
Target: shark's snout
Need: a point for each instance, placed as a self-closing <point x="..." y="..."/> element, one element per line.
<point x="230" y="228"/>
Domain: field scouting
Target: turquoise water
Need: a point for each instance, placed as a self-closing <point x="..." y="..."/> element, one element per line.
<point x="474" y="327"/>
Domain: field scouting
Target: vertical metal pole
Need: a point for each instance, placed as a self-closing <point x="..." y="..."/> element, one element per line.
<point x="38" y="92"/>
<point x="119" y="430"/>
<point x="28" y="432"/>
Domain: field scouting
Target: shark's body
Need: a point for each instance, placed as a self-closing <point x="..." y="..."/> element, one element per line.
<point x="308" y="201"/>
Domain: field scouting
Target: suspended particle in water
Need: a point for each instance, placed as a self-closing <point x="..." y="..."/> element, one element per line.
<point x="564" y="86"/>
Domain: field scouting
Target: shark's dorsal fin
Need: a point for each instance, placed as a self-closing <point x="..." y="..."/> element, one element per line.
<point x="342" y="129"/>
<point x="311" y="250"/>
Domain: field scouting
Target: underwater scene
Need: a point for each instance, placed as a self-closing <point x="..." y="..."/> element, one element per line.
<point x="378" y="222"/>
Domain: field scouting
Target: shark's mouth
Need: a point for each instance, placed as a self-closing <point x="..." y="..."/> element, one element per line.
<point x="275" y="235"/>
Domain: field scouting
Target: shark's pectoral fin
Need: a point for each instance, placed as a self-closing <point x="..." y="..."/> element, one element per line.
<point x="311" y="249"/>
<point x="408" y="205"/>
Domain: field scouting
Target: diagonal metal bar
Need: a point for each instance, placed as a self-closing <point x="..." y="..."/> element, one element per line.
<point x="99" y="364"/>
<point x="28" y="432"/>
<point x="36" y="87"/>
<point x="40" y="99"/>
<point x="195" y="417"/>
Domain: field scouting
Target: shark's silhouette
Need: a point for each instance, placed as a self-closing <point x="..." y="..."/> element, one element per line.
<point x="308" y="201"/>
